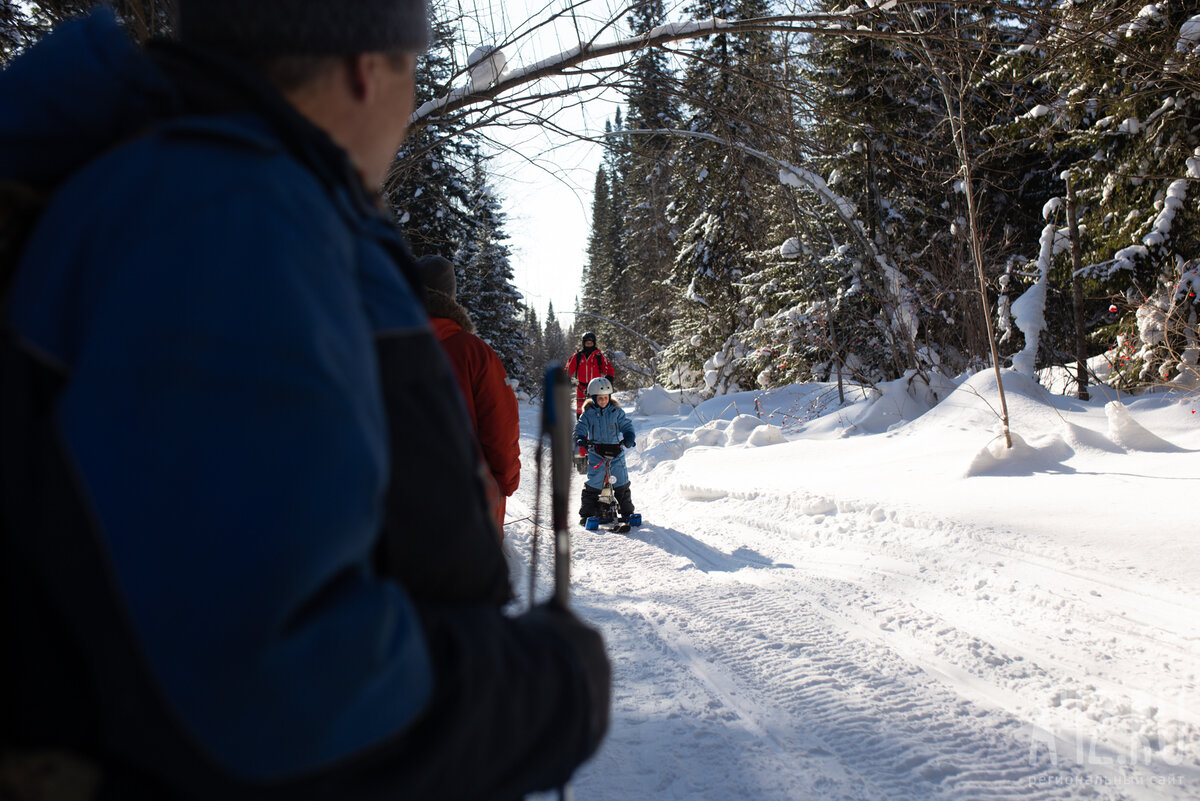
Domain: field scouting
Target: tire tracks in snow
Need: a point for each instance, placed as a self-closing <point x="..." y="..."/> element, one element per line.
<point x="1105" y="665"/>
<point x="766" y="652"/>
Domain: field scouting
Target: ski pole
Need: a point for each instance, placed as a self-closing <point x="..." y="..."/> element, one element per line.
<point x="555" y="421"/>
<point x="555" y="401"/>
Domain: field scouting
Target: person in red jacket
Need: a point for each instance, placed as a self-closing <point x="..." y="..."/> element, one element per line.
<point x="587" y="363"/>
<point x="481" y="379"/>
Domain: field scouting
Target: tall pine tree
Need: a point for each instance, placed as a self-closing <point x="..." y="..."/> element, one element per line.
<point x="429" y="186"/>
<point x="647" y="235"/>
<point x="602" y="271"/>
<point x="724" y="199"/>
<point x="485" y="276"/>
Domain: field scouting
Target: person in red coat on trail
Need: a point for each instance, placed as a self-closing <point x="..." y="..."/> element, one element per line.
<point x="585" y="364"/>
<point x="481" y="379"/>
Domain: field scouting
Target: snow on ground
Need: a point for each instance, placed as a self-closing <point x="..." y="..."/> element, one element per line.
<point x="874" y="599"/>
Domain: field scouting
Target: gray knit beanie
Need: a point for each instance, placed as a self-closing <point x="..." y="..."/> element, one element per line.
<point x="305" y="27"/>
<point x="437" y="274"/>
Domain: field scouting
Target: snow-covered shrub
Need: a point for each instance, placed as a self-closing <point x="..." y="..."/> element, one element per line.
<point x="812" y="318"/>
<point x="1161" y="342"/>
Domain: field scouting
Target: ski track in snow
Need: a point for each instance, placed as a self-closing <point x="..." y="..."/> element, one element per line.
<point x="791" y="647"/>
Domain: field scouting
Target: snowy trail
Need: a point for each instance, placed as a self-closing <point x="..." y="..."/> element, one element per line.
<point x="788" y="646"/>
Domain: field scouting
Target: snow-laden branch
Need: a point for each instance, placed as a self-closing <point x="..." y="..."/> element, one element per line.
<point x="1160" y="229"/>
<point x="1029" y="310"/>
<point x="847" y="22"/>
<point x="905" y="320"/>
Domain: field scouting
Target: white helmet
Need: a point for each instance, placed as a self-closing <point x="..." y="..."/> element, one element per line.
<point x="599" y="386"/>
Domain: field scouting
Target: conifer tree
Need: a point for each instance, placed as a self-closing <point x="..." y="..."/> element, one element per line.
<point x="557" y="346"/>
<point x="430" y="183"/>
<point x="619" y="288"/>
<point x="485" y="275"/>
<point x="874" y="127"/>
<point x="723" y="199"/>
<point x="535" y="351"/>
<point x="646" y="238"/>
<point x="23" y="23"/>
<point x="601" y="272"/>
<point x="1126" y="127"/>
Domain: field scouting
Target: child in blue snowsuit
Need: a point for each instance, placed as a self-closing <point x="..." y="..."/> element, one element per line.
<point x="603" y="428"/>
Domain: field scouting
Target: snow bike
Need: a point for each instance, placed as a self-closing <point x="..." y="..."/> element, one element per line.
<point x="609" y="517"/>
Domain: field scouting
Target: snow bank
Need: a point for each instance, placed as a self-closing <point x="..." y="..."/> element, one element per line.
<point x="1022" y="459"/>
<point x="1131" y="435"/>
<point x="893" y="404"/>
<point x="656" y="400"/>
<point x="744" y="430"/>
<point x="765" y="435"/>
<point x="740" y="428"/>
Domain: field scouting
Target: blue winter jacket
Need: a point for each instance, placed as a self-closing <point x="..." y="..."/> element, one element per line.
<point x="608" y="426"/>
<point x="215" y="313"/>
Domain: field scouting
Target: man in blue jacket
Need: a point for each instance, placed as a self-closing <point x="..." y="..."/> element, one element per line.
<point x="246" y="546"/>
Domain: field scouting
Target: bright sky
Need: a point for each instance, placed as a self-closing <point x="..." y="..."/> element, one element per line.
<point x="545" y="178"/>
<point x="546" y="183"/>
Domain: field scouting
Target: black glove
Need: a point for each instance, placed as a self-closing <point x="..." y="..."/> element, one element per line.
<point x="629" y="441"/>
<point x="588" y="646"/>
<point x="581" y="442"/>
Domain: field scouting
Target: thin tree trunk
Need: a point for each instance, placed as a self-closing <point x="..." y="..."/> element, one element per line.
<point x="1081" y="376"/>
<point x="952" y="95"/>
<point x="976" y="245"/>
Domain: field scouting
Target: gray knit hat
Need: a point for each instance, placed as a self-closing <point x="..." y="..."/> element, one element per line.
<point x="437" y="274"/>
<point x="305" y="27"/>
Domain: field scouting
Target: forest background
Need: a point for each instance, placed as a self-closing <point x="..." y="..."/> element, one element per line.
<point x="817" y="191"/>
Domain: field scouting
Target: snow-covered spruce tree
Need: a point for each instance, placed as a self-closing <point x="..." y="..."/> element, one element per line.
<point x="558" y="344"/>
<point x="571" y="332"/>
<point x="1022" y="168"/>
<point x="647" y="236"/>
<point x="485" y="276"/>
<point x="1000" y="180"/>
<point x="723" y="197"/>
<point x="1130" y="95"/>
<point x="813" y="317"/>
<point x="617" y="294"/>
<point x="993" y="100"/>
<point x="601" y="278"/>
<point x="429" y="184"/>
<point x="535" y="351"/>
<point x="876" y="125"/>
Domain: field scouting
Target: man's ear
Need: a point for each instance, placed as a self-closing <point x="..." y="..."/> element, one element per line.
<point x="360" y="76"/>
